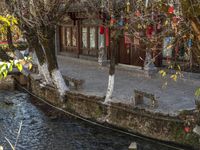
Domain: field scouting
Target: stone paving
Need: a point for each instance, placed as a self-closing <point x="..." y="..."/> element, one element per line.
<point x="172" y="99"/>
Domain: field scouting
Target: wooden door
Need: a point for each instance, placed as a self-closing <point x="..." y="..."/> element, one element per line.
<point x="124" y="52"/>
<point x="137" y="56"/>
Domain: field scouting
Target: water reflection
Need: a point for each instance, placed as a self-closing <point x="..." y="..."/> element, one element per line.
<point x="45" y="129"/>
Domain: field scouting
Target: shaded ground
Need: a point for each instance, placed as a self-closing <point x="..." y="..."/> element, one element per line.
<point x="173" y="98"/>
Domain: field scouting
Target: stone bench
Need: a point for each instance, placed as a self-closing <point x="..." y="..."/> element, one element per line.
<point x="76" y="83"/>
<point x="139" y="98"/>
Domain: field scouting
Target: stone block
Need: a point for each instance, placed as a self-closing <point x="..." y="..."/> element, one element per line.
<point x="139" y="98"/>
<point x="7" y="83"/>
<point x="197" y="130"/>
<point x="133" y="146"/>
<point x="22" y="80"/>
<point x="197" y="102"/>
<point x="73" y="82"/>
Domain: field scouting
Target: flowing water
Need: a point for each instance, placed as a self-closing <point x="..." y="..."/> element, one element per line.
<point x="44" y="128"/>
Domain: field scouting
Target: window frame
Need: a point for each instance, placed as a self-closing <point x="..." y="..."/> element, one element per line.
<point x="70" y="27"/>
<point x="88" y="37"/>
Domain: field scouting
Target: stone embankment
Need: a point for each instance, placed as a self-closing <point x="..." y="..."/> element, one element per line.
<point x="177" y="129"/>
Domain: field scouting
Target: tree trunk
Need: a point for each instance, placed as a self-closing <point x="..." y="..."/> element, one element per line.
<point x="4" y="56"/>
<point x="111" y="80"/>
<point x="9" y="38"/>
<point x="48" y="44"/>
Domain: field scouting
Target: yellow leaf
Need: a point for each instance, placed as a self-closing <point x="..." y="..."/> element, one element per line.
<point x="163" y="73"/>
<point x="174" y="77"/>
<point x="169" y="46"/>
<point x="19" y="67"/>
<point x="197" y="92"/>
<point x="179" y="68"/>
<point x="30" y="66"/>
<point x="1" y="147"/>
<point x="166" y="22"/>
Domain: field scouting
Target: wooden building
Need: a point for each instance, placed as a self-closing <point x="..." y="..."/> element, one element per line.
<point x="80" y="36"/>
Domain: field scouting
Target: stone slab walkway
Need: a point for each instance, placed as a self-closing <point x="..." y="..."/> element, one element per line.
<point x="172" y="99"/>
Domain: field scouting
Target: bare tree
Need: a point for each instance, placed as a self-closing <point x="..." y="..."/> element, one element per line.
<point x="38" y="19"/>
<point x="149" y="21"/>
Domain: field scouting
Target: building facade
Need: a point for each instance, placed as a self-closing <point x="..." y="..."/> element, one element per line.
<point x="82" y="36"/>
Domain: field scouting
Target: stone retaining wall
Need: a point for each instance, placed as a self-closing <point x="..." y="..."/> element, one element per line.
<point x="7" y="83"/>
<point x="154" y="125"/>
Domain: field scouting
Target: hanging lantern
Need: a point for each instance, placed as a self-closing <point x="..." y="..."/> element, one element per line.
<point x="126" y="26"/>
<point x="149" y="31"/>
<point x="158" y="26"/>
<point x="101" y="29"/>
<point x="171" y="9"/>
<point x="137" y="13"/>
<point x="107" y="37"/>
<point x="127" y="39"/>
<point x="175" y="19"/>
<point x="190" y="43"/>
<point x="136" y="38"/>
<point x="187" y="129"/>
<point x="146" y="3"/>
<point x="128" y="6"/>
<point x="102" y="4"/>
<point x="121" y="21"/>
<point x="112" y="20"/>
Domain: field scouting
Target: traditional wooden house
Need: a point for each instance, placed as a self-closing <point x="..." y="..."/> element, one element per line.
<point x="81" y="35"/>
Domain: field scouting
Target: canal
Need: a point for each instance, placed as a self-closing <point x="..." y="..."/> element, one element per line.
<point x="44" y="128"/>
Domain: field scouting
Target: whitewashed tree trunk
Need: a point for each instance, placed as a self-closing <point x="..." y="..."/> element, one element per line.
<point x="59" y="82"/>
<point x="110" y="89"/>
<point x="43" y="69"/>
<point x="53" y="78"/>
<point x="111" y="79"/>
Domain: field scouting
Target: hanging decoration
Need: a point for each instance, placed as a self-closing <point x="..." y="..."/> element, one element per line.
<point x="149" y="31"/>
<point x="175" y="24"/>
<point x="190" y="43"/>
<point x="167" y="48"/>
<point x="146" y="3"/>
<point x="126" y="26"/>
<point x="137" y="13"/>
<point x="107" y="37"/>
<point x="128" y="4"/>
<point x="136" y="38"/>
<point x="171" y="9"/>
<point x="121" y="21"/>
<point x="112" y="20"/>
<point x="158" y="27"/>
<point x="102" y="4"/>
<point x="177" y="48"/>
<point x="101" y="29"/>
<point x="127" y="39"/>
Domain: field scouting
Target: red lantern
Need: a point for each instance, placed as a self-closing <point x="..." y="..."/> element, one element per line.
<point x="101" y="29"/>
<point x="137" y="13"/>
<point x="107" y="37"/>
<point x="149" y="31"/>
<point x="171" y="10"/>
<point x="175" y="19"/>
<point x="112" y="20"/>
<point x="187" y="129"/>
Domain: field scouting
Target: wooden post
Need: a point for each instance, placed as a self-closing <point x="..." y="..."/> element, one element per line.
<point x="79" y="38"/>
